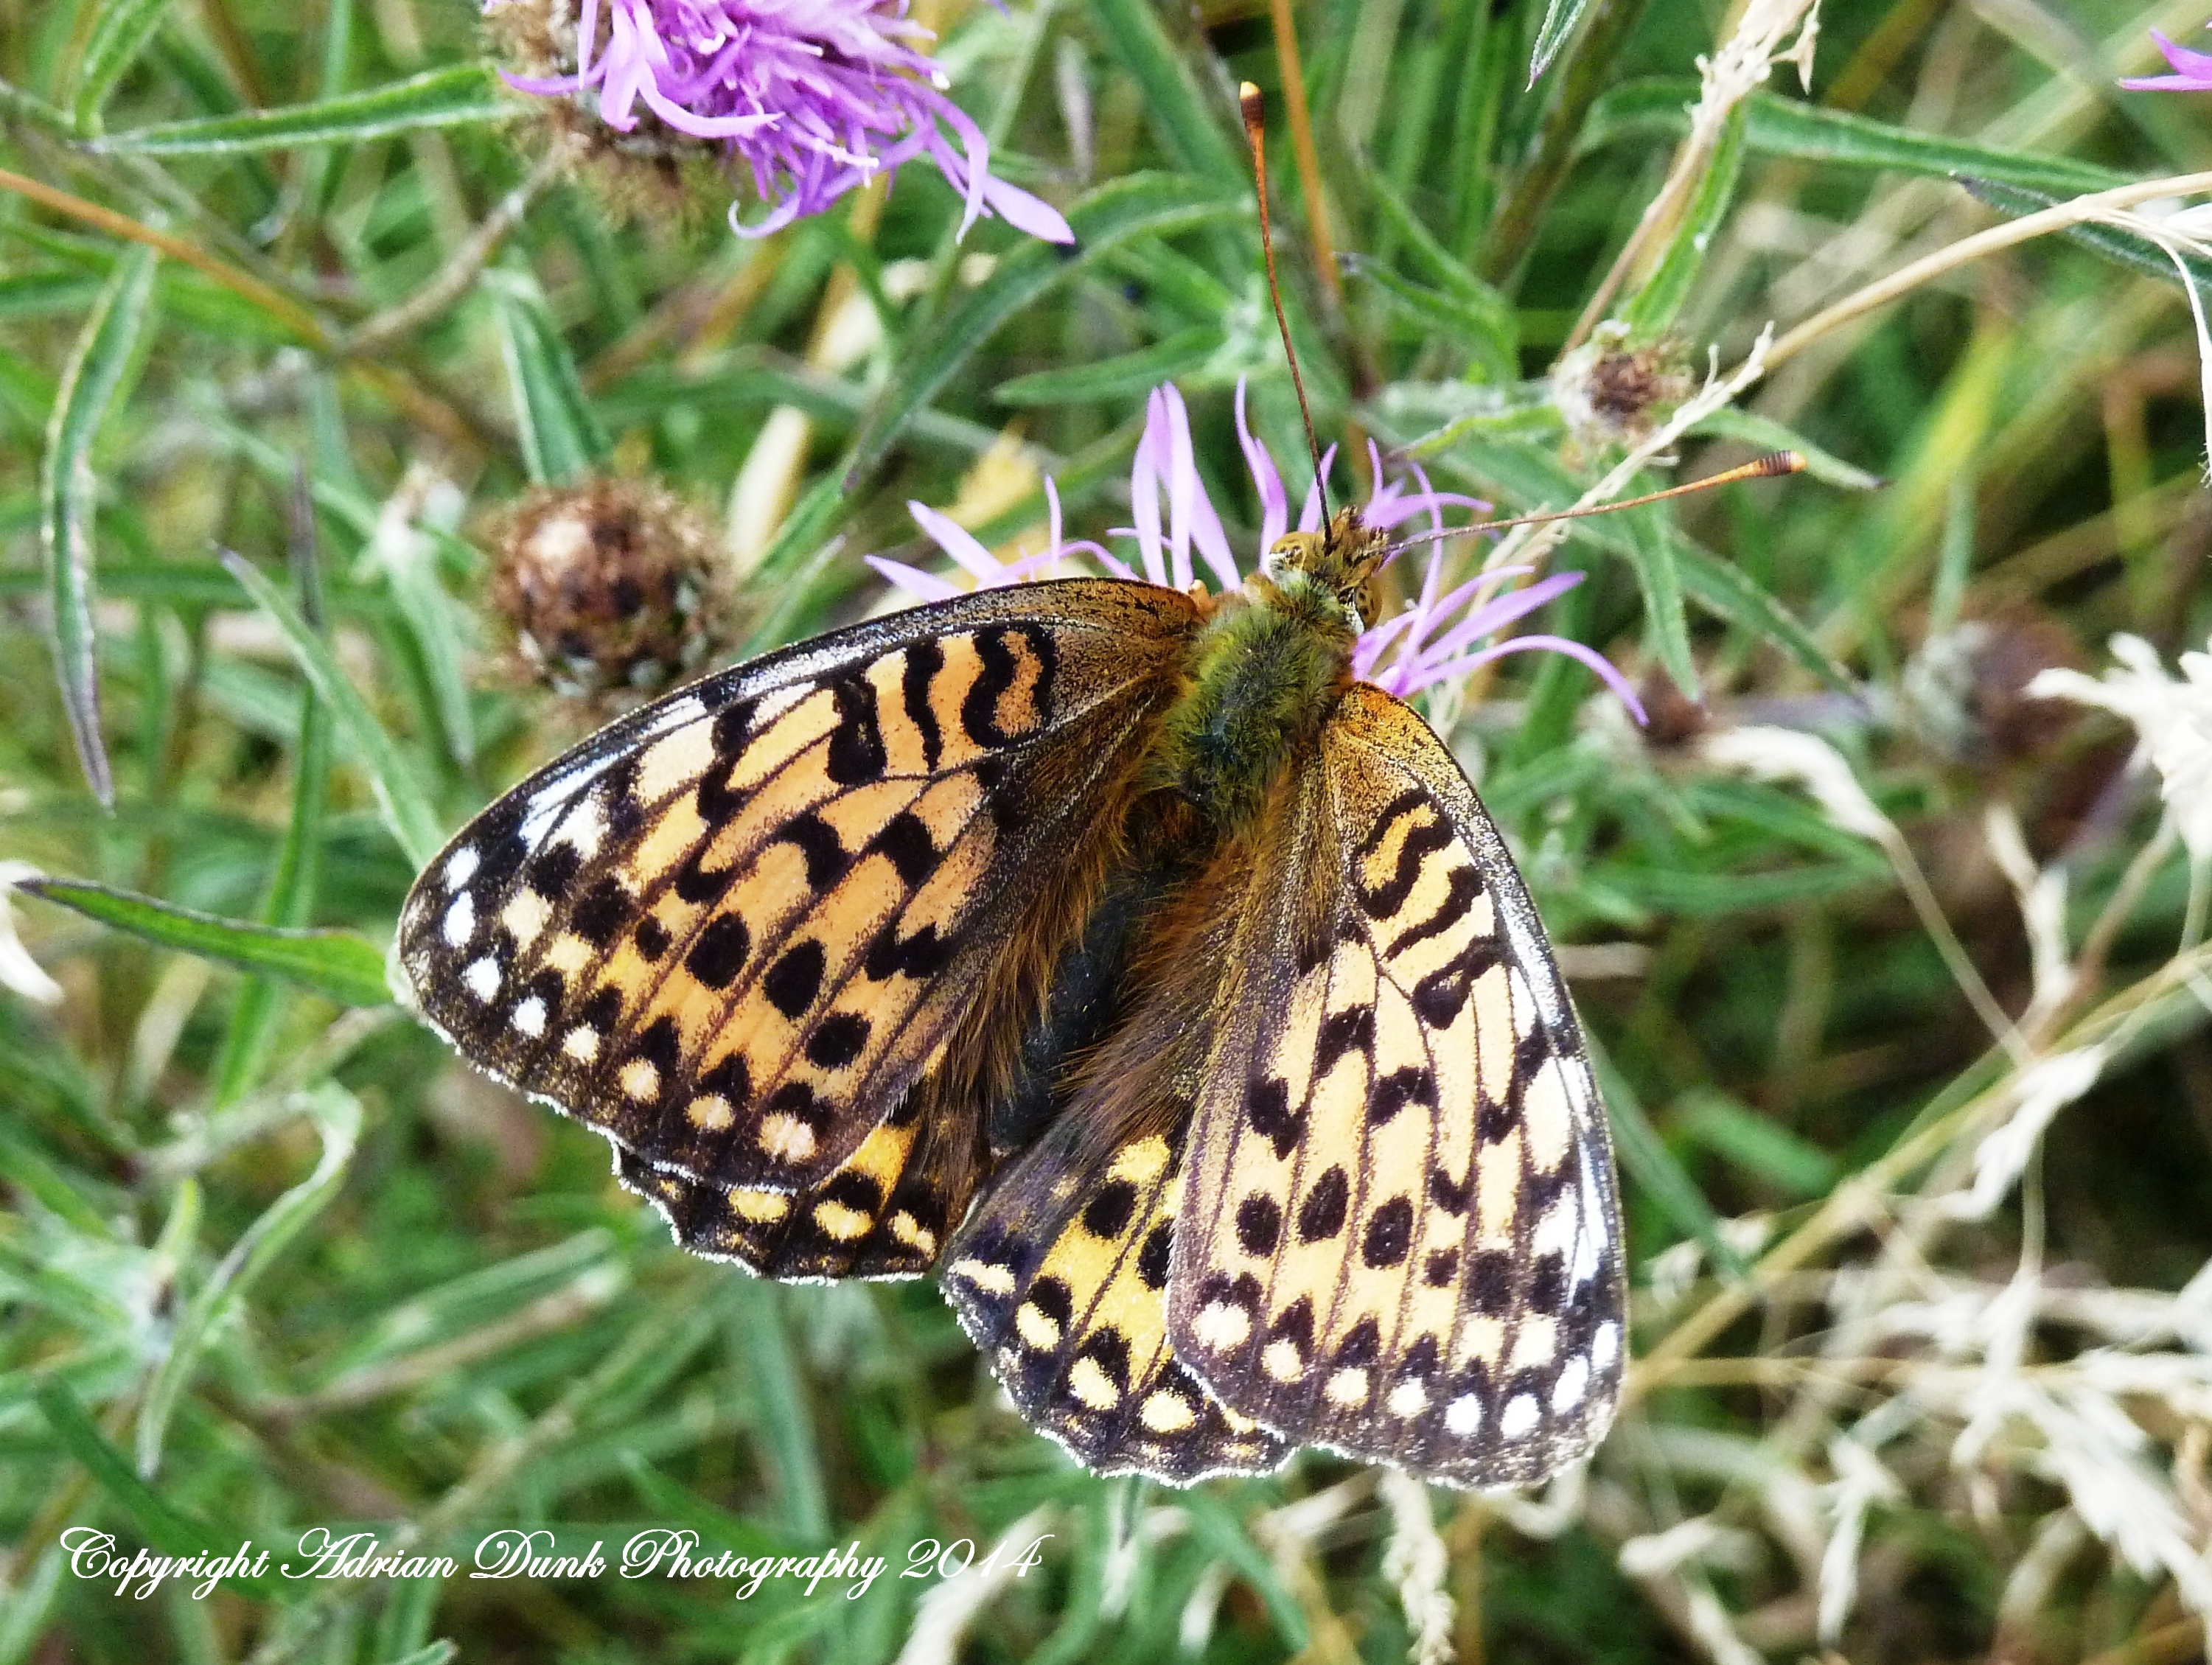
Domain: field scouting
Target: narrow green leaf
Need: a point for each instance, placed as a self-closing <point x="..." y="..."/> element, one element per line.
<point x="1724" y="589"/>
<point x="1496" y="342"/>
<point x="785" y="1419"/>
<point x="1787" y="127"/>
<point x="1652" y="308"/>
<point x="439" y="1652"/>
<point x="347" y="967"/>
<point x="1475" y="331"/>
<point x="460" y="95"/>
<point x="118" y="35"/>
<point x="1111" y="215"/>
<point x="1123" y="374"/>
<point x="1651" y="551"/>
<point x="2122" y="248"/>
<point x="1192" y="130"/>
<point x="337" y="1116"/>
<point x="407" y="810"/>
<point x="1560" y="19"/>
<point x="1645" y="1159"/>
<point x="1742" y="1137"/>
<point x="289" y="902"/>
<point x="1734" y="423"/>
<point x="68" y="497"/>
<point x="169" y="1530"/>
<point x="561" y="439"/>
<point x="1220" y="1530"/>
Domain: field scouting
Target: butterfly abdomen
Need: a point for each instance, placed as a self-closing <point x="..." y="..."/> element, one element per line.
<point x="1266" y="675"/>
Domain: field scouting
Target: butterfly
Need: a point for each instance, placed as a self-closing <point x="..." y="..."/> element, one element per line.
<point x="1112" y="951"/>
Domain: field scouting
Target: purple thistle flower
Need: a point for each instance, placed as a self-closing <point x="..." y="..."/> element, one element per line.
<point x="2192" y="71"/>
<point x="816" y="96"/>
<point x="1435" y="639"/>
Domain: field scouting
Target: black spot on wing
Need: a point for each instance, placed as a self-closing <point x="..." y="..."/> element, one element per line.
<point x="856" y="745"/>
<point x="906" y="840"/>
<point x="600" y="915"/>
<point x="924" y="660"/>
<point x="793" y="981"/>
<point x="720" y="953"/>
<point x="837" y="1040"/>
<point x="1321" y="1214"/>
<point x="817" y="841"/>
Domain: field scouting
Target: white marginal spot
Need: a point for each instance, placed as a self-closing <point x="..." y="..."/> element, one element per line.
<point x="1555" y="1233"/>
<point x="639" y="1079"/>
<point x="1588" y="1245"/>
<point x="785" y="1137"/>
<point x="584" y="826"/>
<point x="581" y="1043"/>
<point x="1283" y="1361"/>
<point x="987" y="1276"/>
<point x="482" y="978"/>
<point x="1167" y="1413"/>
<point x="461" y="866"/>
<point x="525" y="915"/>
<point x="1522" y="1413"/>
<point x="1567" y="1391"/>
<point x="913" y="1233"/>
<point x="460" y="921"/>
<point x="1605" y="1346"/>
<point x="710" y="1113"/>
<point x="1221" y="1325"/>
<point x="1463" y="1416"/>
<point x="1409" y="1398"/>
<point x="1348" y="1386"/>
<point x="1036" y="1327"/>
<point x="552" y="797"/>
<point x="529" y="1017"/>
<point x="1090" y="1385"/>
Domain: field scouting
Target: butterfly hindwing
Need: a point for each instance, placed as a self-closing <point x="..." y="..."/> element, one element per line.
<point x="1399" y="1236"/>
<point x="1060" y="1278"/>
<point x="733" y="930"/>
<point x="885" y="1211"/>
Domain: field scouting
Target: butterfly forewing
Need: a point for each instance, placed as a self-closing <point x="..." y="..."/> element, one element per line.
<point x="1399" y="1236"/>
<point x="732" y="931"/>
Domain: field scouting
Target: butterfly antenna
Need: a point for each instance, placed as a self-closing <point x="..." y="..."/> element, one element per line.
<point x="1762" y="468"/>
<point x="1255" y="135"/>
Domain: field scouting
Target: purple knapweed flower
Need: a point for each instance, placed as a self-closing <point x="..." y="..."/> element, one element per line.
<point x="1434" y="639"/>
<point x="815" y="97"/>
<point x="2192" y="71"/>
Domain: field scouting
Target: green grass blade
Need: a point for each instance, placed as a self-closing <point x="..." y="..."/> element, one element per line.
<point x="461" y="94"/>
<point x="1153" y="203"/>
<point x="1747" y="1140"/>
<point x="1652" y="309"/>
<point x="291" y="895"/>
<point x="1560" y="17"/>
<point x="2122" y="248"/>
<point x="1783" y="127"/>
<point x="118" y="35"/>
<point x="1651" y="549"/>
<point x="337" y="1116"/>
<point x="406" y="809"/>
<point x="784" y="1422"/>
<point x="561" y="439"/>
<point x="1725" y="590"/>
<point x="1216" y="1526"/>
<point x="1118" y="377"/>
<point x="68" y="493"/>
<point x="1194" y="132"/>
<point x="349" y="968"/>
<point x="1645" y="1159"/>
<point x="169" y="1530"/>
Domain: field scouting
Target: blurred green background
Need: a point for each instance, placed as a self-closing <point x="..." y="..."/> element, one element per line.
<point x="270" y="1258"/>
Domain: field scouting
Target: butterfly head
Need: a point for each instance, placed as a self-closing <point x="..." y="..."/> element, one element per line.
<point x="1334" y="571"/>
